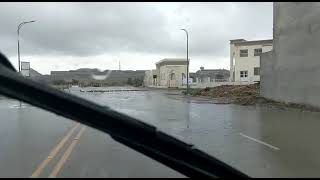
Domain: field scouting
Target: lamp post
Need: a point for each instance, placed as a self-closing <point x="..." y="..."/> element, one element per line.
<point x="187" y="59"/>
<point x="18" y="31"/>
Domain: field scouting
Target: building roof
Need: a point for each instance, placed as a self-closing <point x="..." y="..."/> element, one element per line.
<point x="213" y="70"/>
<point x="172" y="60"/>
<point x="237" y="40"/>
<point x="242" y="42"/>
<point x="212" y="73"/>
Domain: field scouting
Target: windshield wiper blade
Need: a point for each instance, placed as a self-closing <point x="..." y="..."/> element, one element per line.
<point x="140" y="136"/>
<point x="6" y="63"/>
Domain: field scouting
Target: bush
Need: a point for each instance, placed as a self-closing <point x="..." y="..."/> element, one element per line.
<point x="137" y="82"/>
<point x="192" y="92"/>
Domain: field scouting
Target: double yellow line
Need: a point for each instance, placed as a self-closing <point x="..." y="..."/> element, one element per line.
<point x="56" y="150"/>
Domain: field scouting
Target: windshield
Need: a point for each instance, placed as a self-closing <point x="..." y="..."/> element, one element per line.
<point x="232" y="79"/>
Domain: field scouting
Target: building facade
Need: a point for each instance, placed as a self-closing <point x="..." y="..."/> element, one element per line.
<point x="245" y="59"/>
<point x="171" y="72"/>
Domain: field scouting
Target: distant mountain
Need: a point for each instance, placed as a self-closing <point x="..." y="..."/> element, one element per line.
<point x="87" y="70"/>
<point x="35" y="75"/>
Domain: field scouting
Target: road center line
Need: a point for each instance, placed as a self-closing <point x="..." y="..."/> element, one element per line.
<point x="261" y="142"/>
<point x="66" y="155"/>
<point x="54" y="152"/>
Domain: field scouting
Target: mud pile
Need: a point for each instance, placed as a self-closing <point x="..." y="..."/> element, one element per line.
<point x="246" y="95"/>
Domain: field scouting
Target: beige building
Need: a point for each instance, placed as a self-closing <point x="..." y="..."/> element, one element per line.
<point x="245" y="59"/>
<point x="169" y="72"/>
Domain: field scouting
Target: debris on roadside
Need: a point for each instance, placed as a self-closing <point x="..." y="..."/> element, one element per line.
<point x="245" y="95"/>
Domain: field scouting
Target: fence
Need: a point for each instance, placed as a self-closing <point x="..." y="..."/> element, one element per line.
<point x="214" y="84"/>
<point x="208" y="84"/>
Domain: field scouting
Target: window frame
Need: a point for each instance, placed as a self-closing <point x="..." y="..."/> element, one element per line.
<point x="257" y="54"/>
<point x="254" y="71"/>
<point x="244" y="54"/>
<point x="244" y="74"/>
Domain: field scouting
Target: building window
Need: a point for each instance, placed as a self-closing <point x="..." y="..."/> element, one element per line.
<point x="257" y="52"/>
<point x="172" y="76"/>
<point x="256" y="71"/>
<point x="243" y="74"/>
<point x="183" y="76"/>
<point x="244" y="53"/>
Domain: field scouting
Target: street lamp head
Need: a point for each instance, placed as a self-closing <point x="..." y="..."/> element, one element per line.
<point x="29" y="21"/>
<point x="185" y="31"/>
<point x="23" y="23"/>
<point x="26" y="22"/>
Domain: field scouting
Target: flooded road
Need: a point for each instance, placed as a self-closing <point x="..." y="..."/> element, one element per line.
<point x="260" y="141"/>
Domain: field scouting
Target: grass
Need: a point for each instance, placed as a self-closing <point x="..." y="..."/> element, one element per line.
<point x="192" y="92"/>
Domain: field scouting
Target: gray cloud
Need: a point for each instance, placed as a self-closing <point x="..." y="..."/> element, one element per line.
<point x="83" y="29"/>
<point x="87" y="29"/>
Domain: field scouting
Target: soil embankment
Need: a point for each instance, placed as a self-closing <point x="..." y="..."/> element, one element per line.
<point x="245" y="95"/>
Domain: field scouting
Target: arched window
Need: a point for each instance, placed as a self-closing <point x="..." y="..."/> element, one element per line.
<point x="172" y="76"/>
<point x="183" y="76"/>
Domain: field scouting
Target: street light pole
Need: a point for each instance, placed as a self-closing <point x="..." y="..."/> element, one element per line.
<point x="187" y="59"/>
<point x="18" y="32"/>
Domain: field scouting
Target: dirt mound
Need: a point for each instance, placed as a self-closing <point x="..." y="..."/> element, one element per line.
<point x="231" y="91"/>
<point x="246" y="95"/>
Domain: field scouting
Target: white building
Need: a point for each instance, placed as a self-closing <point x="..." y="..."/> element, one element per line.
<point x="169" y="72"/>
<point x="245" y="59"/>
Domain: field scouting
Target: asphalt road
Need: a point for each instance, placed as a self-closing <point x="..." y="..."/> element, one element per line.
<point x="259" y="141"/>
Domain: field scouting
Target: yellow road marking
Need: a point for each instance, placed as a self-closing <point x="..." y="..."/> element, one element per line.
<point x="53" y="153"/>
<point x="66" y="155"/>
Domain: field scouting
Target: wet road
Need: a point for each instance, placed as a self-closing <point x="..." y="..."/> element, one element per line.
<point x="259" y="141"/>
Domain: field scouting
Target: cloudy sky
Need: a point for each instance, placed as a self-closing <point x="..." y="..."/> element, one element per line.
<point x="98" y="35"/>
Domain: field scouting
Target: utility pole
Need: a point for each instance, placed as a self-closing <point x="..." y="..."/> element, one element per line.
<point x="18" y="32"/>
<point x="187" y="59"/>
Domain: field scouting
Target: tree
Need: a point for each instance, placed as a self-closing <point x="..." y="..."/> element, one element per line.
<point x="59" y="82"/>
<point x="138" y="82"/>
<point x="75" y="82"/>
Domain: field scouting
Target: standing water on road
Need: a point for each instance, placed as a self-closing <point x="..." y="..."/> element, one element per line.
<point x="259" y="141"/>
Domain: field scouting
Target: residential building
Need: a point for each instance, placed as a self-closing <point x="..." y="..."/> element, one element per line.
<point x="210" y="75"/>
<point x="245" y="59"/>
<point x="171" y="72"/>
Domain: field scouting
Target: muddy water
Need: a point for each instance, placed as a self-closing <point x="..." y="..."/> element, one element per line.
<point x="259" y="141"/>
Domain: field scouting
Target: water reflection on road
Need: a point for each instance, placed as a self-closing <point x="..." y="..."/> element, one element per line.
<point x="260" y="141"/>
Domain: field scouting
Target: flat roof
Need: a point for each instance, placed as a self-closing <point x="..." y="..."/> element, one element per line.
<point x="255" y="42"/>
<point x="237" y="40"/>
<point x="214" y="70"/>
<point x="172" y="60"/>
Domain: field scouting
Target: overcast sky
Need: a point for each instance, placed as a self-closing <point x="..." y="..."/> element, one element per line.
<point x="97" y="35"/>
